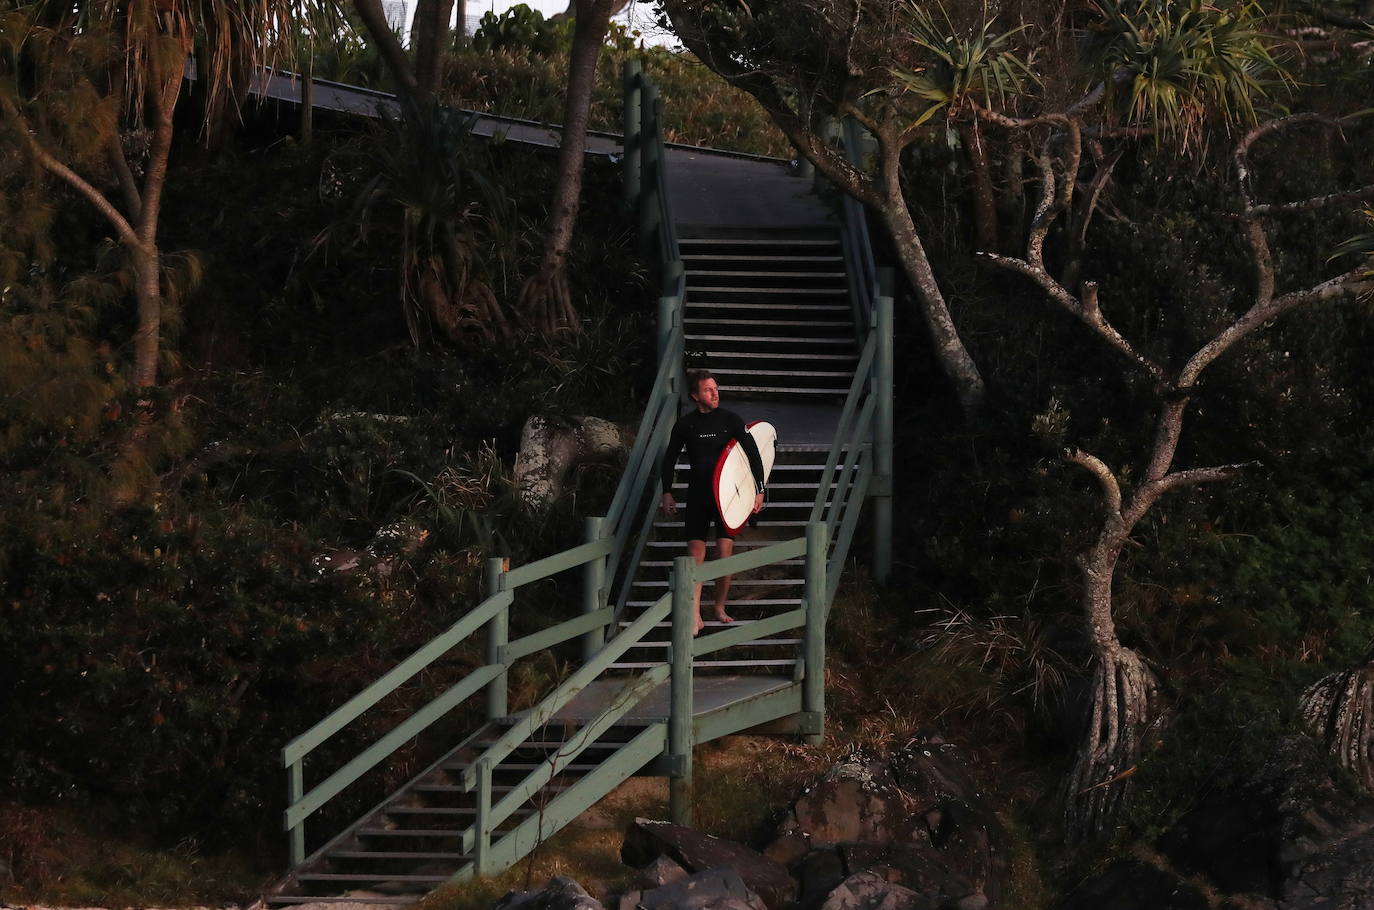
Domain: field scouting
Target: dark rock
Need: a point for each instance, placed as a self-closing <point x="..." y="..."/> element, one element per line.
<point x="1339" y="877"/>
<point x="819" y="873"/>
<point x="959" y="819"/>
<point x="1233" y="839"/>
<point x="870" y="891"/>
<point x="646" y="840"/>
<point x="789" y="843"/>
<point x="861" y="856"/>
<point x="660" y="872"/>
<point x="1132" y="885"/>
<point x="714" y="889"/>
<point x="925" y="870"/>
<point x="560" y="893"/>
<point x="857" y="800"/>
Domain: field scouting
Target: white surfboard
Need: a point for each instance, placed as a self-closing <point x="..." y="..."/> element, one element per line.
<point x="734" y="482"/>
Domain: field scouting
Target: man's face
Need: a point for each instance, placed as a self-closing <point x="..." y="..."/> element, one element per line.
<point x="707" y="396"/>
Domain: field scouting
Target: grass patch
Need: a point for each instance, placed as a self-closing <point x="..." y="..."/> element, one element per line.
<point x="58" y="856"/>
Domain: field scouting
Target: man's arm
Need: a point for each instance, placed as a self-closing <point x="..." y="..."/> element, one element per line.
<point x="751" y="451"/>
<point x="666" y="470"/>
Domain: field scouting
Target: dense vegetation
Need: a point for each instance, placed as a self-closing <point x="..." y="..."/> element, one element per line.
<point x="155" y="656"/>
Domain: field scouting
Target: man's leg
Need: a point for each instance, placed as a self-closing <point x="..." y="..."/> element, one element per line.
<point x="725" y="546"/>
<point x="697" y="550"/>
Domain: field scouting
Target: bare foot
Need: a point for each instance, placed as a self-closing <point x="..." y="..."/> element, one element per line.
<point x="696" y="630"/>
<point x="722" y="616"/>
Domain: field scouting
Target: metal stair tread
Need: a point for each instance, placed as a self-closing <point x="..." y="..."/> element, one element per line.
<point x="740" y="273"/>
<point x="771" y="339"/>
<point x="779" y="355"/>
<point x="750" y="305"/>
<point x="394" y="854"/>
<point x="759" y="602"/>
<point x="369" y="877"/>
<point x="765" y="257"/>
<point x="766" y="323"/>
<point x="747" y="582"/>
<point x="775" y="388"/>
<point x="756" y="641"/>
<point x="755" y="241"/>
<point x="644" y="665"/>
<point x="389" y="900"/>
<point x="744" y="371"/>
<point x="744" y="289"/>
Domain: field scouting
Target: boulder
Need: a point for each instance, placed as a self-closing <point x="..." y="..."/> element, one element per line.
<point x="857" y="800"/>
<point x="660" y="872"/>
<point x="713" y="889"/>
<point x="1339" y="877"/>
<point x="819" y="872"/>
<point x="647" y="839"/>
<point x="959" y="819"/>
<point x="870" y="891"/>
<point x="561" y="893"/>
<point x="1133" y="885"/>
<point x="923" y="869"/>
<point x="1233" y="839"/>
<point x="789" y="843"/>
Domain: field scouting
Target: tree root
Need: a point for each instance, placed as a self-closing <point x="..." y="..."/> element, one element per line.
<point x="547" y="303"/>
<point x="1339" y="710"/>
<point x="1124" y="705"/>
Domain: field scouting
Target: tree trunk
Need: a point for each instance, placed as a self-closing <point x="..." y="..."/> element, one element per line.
<point x="148" y="295"/>
<point x="1123" y="699"/>
<point x="545" y="297"/>
<point x="429" y="38"/>
<point x="954" y="358"/>
<point x="984" y="195"/>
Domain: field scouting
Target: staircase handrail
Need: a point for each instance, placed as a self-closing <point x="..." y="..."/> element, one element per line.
<point x="857" y="245"/>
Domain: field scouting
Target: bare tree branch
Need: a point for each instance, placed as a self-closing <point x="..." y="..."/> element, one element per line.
<point x="49" y="163"/>
<point x="1194" y="476"/>
<point x="1111" y="490"/>
<point x="1090" y="314"/>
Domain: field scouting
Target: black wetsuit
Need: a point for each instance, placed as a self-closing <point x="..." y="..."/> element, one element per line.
<point x="705" y="435"/>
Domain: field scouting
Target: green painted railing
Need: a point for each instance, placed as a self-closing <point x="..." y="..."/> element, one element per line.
<point x="856" y="458"/>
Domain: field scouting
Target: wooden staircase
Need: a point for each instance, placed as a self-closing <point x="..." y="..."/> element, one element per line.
<point x="768" y="312"/>
<point x="775" y="313"/>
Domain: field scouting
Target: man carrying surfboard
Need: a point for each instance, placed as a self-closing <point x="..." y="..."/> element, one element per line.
<point x="706" y="431"/>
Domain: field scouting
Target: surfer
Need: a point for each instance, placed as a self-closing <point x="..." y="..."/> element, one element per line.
<point x="705" y="432"/>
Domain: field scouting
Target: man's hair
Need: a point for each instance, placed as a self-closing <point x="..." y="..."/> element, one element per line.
<point x="695" y="378"/>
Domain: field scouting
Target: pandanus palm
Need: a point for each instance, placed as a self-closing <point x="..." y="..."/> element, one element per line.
<point x="88" y="92"/>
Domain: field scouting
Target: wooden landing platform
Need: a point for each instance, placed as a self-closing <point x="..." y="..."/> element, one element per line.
<point x="710" y="695"/>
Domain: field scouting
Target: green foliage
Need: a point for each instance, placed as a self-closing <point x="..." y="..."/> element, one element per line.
<point x="976" y="68"/>
<point x="699" y="109"/>
<point x="522" y="29"/>
<point x="1180" y="61"/>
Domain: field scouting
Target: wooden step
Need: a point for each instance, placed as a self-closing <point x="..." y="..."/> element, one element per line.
<point x="707" y="664"/>
<point x="371" y="877"/>
<point x="395" y="854"/>
<point x="759" y="257"/>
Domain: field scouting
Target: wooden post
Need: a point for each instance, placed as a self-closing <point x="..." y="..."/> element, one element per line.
<point x="680" y="685"/>
<point x="651" y="144"/>
<point x="498" y="633"/>
<point x="634" y="142"/>
<point x="593" y="589"/>
<point x="882" y="441"/>
<point x="813" y="644"/>
<point x="481" y="845"/>
<point x="667" y="312"/>
<point x="295" y="791"/>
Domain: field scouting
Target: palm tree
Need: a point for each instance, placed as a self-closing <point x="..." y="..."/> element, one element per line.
<point x="79" y="81"/>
